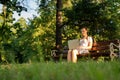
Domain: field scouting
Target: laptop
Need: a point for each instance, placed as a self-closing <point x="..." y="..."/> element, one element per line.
<point x="73" y="44"/>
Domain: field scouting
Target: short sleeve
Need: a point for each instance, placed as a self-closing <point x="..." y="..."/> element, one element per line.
<point x="90" y="39"/>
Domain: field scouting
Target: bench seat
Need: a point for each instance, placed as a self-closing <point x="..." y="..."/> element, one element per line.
<point x="101" y="48"/>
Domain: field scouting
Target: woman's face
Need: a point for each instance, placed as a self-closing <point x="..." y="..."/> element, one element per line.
<point x="84" y="32"/>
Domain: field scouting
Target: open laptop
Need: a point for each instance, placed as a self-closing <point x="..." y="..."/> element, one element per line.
<point x="73" y="44"/>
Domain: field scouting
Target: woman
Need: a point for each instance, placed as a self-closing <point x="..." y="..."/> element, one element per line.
<point x="85" y="45"/>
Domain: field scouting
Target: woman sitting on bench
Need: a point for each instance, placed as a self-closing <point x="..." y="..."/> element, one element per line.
<point x="85" y="45"/>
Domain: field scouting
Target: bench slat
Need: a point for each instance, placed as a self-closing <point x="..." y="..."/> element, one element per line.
<point x="102" y="43"/>
<point x="98" y="49"/>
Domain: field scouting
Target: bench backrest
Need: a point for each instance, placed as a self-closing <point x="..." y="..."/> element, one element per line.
<point x="97" y="46"/>
<point x="103" y="45"/>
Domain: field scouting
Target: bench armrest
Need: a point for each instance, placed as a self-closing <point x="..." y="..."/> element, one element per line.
<point x="53" y="52"/>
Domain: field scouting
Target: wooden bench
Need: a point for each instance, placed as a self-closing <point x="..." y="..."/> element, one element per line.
<point x="101" y="48"/>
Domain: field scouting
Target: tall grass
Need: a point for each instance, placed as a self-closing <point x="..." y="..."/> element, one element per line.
<point x="83" y="70"/>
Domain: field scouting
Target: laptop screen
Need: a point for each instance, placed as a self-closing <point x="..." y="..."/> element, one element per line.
<point x="73" y="44"/>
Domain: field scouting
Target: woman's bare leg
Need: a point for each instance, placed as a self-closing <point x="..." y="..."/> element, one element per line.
<point x="74" y="56"/>
<point x="69" y="56"/>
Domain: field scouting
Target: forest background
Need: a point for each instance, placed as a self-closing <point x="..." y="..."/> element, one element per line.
<point x="32" y="40"/>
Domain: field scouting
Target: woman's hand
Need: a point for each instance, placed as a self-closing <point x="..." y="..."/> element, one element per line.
<point x="80" y="47"/>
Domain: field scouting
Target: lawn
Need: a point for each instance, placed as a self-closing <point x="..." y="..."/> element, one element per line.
<point x="83" y="70"/>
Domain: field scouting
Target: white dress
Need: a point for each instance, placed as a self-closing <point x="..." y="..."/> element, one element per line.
<point x="84" y="43"/>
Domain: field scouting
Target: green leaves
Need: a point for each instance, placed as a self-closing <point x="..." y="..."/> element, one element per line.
<point x="101" y="17"/>
<point x="34" y="40"/>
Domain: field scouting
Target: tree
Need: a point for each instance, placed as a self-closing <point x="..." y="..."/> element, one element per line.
<point x="97" y="16"/>
<point x="6" y="26"/>
<point x="46" y="24"/>
<point x="58" y="24"/>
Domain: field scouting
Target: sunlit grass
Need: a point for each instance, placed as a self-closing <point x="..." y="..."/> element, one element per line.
<point x="83" y="70"/>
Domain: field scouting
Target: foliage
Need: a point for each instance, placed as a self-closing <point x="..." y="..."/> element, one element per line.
<point x="23" y="41"/>
<point x="89" y="70"/>
<point x="45" y="23"/>
<point x="15" y="46"/>
<point x="13" y="5"/>
<point x="5" y="35"/>
<point x="101" y="17"/>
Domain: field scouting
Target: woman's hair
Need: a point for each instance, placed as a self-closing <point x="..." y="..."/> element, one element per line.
<point x="85" y="28"/>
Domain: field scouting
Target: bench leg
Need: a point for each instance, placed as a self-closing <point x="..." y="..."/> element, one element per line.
<point x="113" y="56"/>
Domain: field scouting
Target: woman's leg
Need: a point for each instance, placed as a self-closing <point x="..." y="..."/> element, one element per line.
<point x="69" y="56"/>
<point x="74" y="55"/>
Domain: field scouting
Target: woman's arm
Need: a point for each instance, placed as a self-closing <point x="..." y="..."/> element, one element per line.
<point x="88" y="47"/>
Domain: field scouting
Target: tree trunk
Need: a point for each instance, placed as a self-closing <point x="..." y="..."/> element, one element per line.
<point x="58" y="24"/>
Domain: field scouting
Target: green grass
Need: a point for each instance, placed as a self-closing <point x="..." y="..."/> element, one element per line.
<point x="83" y="70"/>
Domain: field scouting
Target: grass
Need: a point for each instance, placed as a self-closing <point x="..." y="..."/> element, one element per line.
<point x="83" y="70"/>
